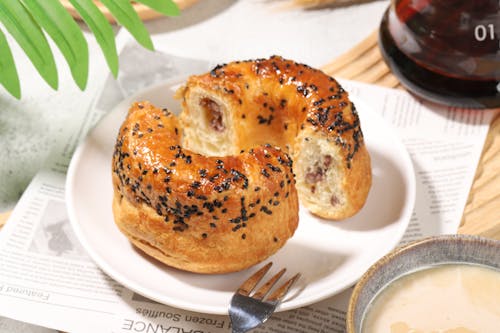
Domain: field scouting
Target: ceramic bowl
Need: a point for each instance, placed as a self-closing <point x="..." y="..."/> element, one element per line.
<point x="412" y="257"/>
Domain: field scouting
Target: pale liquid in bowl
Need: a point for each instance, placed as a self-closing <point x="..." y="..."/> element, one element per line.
<point x="449" y="298"/>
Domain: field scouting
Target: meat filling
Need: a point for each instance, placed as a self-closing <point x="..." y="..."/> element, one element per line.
<point x="334" y="200"/>
<point x="327" y="161"/>
<point x="214" y="114"/>
<point x="312" y="177"/>
<point x="317" y="172"/>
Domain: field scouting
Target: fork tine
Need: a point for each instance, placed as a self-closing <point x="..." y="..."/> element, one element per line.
<point x="278" y="295"/>
<point x="246" y="288"/>
<point x="262" y="292"/>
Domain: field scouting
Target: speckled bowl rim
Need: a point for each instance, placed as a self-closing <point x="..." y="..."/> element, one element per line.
<point x="388" y="258"/>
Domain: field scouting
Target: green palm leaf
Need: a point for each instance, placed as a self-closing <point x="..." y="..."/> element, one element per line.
<point x="26" y="21"/>
<point x="30" y="37"/>
<point x="64" y="31"/>
<point x="98" y="24"/>
<point x="8" y="72"/>
<point x="124" y="13"/>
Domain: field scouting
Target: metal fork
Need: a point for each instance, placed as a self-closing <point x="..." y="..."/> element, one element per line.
<point x="249" y="311"/>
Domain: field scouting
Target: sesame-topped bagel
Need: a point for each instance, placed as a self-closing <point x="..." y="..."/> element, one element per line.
<point x="198" y="213"/>
<point x="291" y="105"/>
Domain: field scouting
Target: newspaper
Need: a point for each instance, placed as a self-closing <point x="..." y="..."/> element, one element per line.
<point x="47" y="278"/>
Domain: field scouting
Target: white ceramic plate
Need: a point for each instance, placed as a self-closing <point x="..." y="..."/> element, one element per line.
<point x="331" y="256"/>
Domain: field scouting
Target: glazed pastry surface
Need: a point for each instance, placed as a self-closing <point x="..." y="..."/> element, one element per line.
<point x="198" y="213"/>
<point x="287" y="104"/>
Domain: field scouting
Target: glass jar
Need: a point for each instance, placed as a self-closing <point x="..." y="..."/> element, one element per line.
<point x="446" y="51"/>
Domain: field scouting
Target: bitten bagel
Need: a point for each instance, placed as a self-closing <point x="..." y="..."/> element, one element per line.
<point x="242" y="104"/>
<point x="198" y="213"/>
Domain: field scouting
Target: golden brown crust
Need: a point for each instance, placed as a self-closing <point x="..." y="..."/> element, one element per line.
<point x="198" y="213"/>
<point x="291" y="105"/>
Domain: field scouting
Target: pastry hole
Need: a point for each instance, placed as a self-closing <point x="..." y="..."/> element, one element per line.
<point x="213" y="114"/>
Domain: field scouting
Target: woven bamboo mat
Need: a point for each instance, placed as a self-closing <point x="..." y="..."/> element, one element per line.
<point x="144" y="12"/>
<point x="482" y="213"/>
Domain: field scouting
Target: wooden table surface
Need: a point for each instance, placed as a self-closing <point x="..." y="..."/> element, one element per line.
<point x="482" y="212"/>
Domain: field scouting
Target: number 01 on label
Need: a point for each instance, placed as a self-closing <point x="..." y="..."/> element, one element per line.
<point x="483" y="32"/>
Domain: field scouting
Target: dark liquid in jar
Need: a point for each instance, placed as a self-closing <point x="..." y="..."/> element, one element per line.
<point x="445" y="51"/>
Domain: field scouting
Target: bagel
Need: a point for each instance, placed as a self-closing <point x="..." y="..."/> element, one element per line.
<point x="301" y="109"/>
<point x="199" y="213"/>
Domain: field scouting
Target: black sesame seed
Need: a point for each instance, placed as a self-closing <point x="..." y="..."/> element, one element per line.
<point x="266" y="210"/>
<point x="235" y="220"/>
<point x="265" y="173"/>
